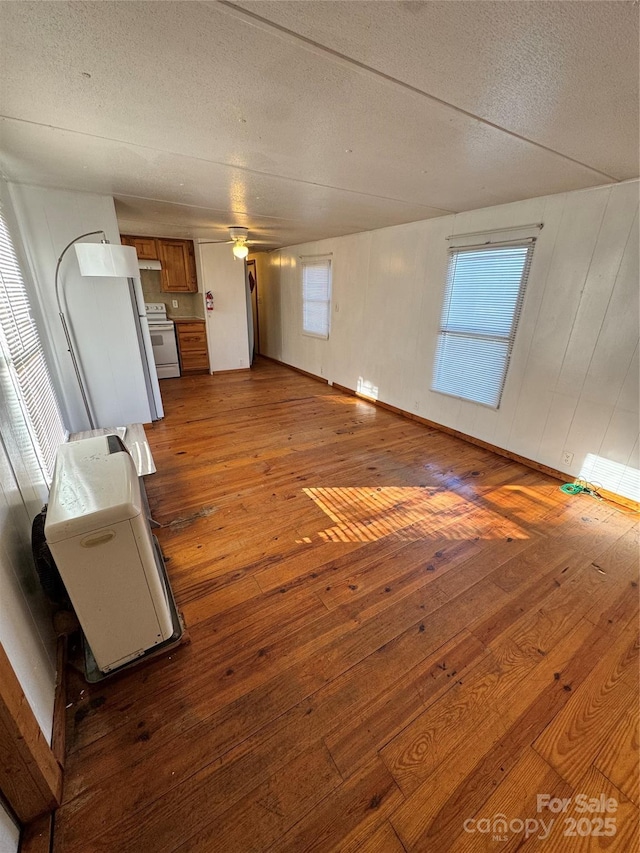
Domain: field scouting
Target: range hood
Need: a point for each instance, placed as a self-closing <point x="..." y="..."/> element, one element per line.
<point x="149" y="265"/>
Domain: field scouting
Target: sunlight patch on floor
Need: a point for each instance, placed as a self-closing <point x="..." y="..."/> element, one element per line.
<point x="366" y="514"/>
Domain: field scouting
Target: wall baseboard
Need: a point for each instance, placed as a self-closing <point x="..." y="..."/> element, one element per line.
<point x="298" y="370"/>
<point x="500" y="451"/>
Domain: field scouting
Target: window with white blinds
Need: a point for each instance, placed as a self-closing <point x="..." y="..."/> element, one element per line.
<point x="316" y="296"/>
<point x="21" y="348"/>
<point x="482" y="303"/>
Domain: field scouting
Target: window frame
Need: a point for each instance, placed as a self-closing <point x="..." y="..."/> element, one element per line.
<point x="445" y="328"/>
<point x="23" y="352"/>
<point x="310" y="261"/>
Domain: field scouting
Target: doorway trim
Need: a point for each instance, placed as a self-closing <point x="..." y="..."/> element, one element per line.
<point x="30" y="774"/>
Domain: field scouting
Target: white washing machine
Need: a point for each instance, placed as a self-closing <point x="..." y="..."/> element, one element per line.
<point x="102" y="544"/>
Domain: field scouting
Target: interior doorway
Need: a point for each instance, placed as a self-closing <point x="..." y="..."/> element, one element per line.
<point x="252" y="276"/>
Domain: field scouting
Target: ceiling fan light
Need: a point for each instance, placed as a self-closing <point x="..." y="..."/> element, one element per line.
<point x="238" y="232"/>
<point x="240" y="250"/>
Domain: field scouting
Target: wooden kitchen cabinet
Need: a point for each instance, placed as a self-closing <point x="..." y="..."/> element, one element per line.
<point x="177" y="257"/>
<point x="192" y="346"/>
<point x="178" y="273"/>
<point x="146" y="247"/>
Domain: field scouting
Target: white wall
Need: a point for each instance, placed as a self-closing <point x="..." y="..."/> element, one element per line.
<point x="227" y="329"/>
<point x="9" y="834"/>
<point x="25" y="619"/>
<point x="99" y="308"/>
<point x="573" y="380"/>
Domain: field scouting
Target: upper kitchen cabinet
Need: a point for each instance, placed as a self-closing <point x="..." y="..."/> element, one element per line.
<point x="146" y="247"/>
<point x="178" y="266"/>
<point x="177" y="258"/>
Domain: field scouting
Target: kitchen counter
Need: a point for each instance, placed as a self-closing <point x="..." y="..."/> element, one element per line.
<point x="187" y="319"/>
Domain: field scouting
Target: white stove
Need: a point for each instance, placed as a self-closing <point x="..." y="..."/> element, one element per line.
<point x="163" y="339"/>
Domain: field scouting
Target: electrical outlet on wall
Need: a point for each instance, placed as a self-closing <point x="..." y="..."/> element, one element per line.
<point x="567" y="457"/>
<point x="174" y="303"/>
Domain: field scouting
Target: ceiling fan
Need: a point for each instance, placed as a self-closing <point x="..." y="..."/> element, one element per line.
<point x="239" y="237"/>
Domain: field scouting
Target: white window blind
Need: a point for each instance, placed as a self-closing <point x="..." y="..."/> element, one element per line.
<point x="482" y="303"/>
<point x="21" y="347"/>
<point x="316" y="296"/>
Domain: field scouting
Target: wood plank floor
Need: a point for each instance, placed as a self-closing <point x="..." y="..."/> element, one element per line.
<point x="393" y="633"/>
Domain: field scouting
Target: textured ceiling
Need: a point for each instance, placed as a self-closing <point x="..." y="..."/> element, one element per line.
<point x="309" y="119"/>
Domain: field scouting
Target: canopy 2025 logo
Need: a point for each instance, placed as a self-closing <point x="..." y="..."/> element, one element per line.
<point x="595" y="818"/>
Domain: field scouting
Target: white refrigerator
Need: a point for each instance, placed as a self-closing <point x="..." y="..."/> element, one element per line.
<point x="146" y="349"/>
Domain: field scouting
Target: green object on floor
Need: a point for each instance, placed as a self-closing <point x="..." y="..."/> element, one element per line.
<point x="571" y="489"/>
